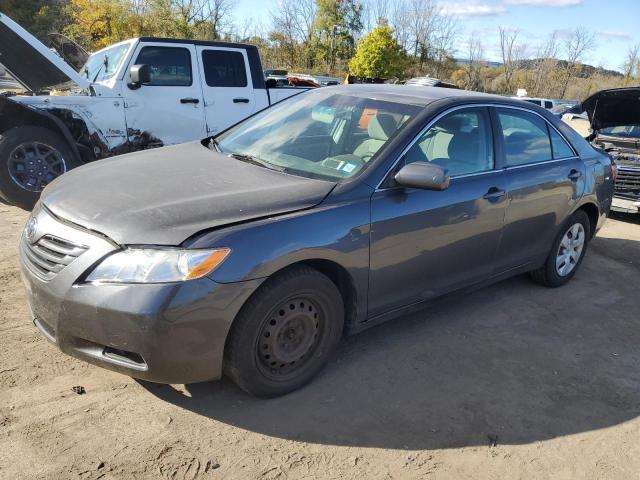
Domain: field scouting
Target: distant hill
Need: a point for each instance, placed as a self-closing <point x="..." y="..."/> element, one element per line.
<point x="530" y="64"/>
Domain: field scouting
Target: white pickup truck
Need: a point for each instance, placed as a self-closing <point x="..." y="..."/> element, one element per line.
<point x="136" y="94"/>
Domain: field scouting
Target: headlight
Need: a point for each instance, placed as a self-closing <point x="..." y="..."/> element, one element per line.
<point x="157" y="265"/>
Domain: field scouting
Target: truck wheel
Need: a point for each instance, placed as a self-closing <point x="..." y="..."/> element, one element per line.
<point x="285" y="333"/>
<point x="567" y="252"/>
<point x="30" y="159"/>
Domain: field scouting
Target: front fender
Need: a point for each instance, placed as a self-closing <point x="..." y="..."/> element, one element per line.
<point x="337" y="232"/>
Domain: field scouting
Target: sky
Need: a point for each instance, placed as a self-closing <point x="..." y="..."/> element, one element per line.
<point x="616" y="23"/>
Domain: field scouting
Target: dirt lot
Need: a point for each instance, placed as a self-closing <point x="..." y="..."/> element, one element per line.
<point x="554" y="374"/>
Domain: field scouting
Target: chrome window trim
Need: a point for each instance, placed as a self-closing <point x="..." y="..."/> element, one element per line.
<point x="478" y="105"/>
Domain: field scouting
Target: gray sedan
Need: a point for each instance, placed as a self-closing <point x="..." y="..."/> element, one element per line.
<point x="252" y="252"/>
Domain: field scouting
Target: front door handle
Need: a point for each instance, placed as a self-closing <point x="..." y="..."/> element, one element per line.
<point x="240" y="100"/>
<point x="574" y="175"/>
<point x="494" y="193"/>
<point x="189" y="100"/>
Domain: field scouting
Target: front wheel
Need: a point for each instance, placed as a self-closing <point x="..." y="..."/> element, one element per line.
<point x="285" y="333"/>
<point x="30" y="159"/>
<point x="567" y="252"/>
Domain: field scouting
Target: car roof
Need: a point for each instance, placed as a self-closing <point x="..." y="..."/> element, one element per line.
<point x="415" y="94"/>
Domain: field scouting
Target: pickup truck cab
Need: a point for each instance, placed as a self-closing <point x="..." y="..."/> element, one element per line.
<point x="136" y="94"/>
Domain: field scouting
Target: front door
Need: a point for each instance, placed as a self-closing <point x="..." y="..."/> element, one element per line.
<point x="545" y="180"/>
<point x="227" y="86"/>
<point x="426" y="243"/>
<point x="169" y="109"/>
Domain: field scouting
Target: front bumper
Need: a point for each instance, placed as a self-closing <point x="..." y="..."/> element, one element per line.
<point x="625" y="205"/>
<point x="166" y="333"/>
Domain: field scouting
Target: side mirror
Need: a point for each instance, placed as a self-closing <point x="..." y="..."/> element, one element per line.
<point x="423" y="175"/>
<point x="139" y="74"/>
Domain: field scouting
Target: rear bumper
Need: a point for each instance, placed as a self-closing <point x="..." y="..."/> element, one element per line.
<point x="625" y="205"/>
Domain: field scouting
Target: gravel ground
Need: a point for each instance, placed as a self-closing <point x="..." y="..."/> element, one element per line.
<point x="512" y="381"/>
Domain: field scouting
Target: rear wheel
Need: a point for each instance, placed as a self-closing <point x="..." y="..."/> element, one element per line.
<point x="567" y="252"/>
<point x="285" y="333"/>
<point x="30" y="159"/>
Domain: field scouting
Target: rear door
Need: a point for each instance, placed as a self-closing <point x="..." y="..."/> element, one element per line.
<point x="227" y="86"/>
<point x="425" y="243"/>
<point x="169" y="109"/>
<point x="545" y="180"/>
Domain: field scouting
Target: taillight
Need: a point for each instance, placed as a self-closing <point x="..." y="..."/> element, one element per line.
<point x="614" y="170"/>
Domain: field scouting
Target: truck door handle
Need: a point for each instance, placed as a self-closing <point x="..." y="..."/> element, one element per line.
<point x="494" y="193"/>
<point x="189" y="100"/>
<point x="574" y="175"/>
<point x="240" y="100"/>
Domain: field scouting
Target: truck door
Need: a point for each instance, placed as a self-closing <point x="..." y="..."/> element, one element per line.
<point x="227" y="86"/>
<point x="169" y="109"/>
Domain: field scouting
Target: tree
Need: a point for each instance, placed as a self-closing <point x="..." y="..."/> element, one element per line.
<point x="576" y="45"/>
<point x="378" y="55"/>
<point x="631" y="67"/>
<point x="475" y="62"/>
<point x="511" y="52"/>
<point x="336" y="26"/>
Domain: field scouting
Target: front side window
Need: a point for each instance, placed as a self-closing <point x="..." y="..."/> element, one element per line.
<point x="461" y="142"/>
<point x="526" y="139"/>
<point x="170" y="66"/>
<point x="223" y="68"/>
<point x="319" y="134"/>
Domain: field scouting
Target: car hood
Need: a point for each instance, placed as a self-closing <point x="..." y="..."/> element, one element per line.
<point x="614" y="107"/>
<point x="30" y="62"/>
<point x="164" y="196"/>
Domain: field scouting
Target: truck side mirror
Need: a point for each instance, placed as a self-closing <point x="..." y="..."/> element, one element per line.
<point x="139" y="74"/>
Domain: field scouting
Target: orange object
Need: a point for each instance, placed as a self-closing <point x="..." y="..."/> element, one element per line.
<point x="365" y="118"/>
<point x="209" y="263"/>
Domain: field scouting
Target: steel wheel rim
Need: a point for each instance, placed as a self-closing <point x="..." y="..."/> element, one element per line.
<point x="570" y="250"/>
<point x="33" y="165"/>
<point x="289" y="337"/>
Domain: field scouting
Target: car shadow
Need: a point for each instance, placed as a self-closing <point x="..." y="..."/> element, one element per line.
<point x="516" y="360"/>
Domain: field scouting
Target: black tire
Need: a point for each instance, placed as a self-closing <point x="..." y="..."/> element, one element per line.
<point x="54" y="149"/>
<point x="548" y="274"/>
<point x="261" y="350"/>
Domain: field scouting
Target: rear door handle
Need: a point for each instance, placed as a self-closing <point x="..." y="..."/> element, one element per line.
<point x="574" y="175"/>
<point x="240" y="100"/>
<point x="494" y="193"/>
<point x="189" y="100"/>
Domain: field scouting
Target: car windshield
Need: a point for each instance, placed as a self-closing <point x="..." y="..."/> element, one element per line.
<point x="319" y="134"/>
<point x="105" y="64"/>
<point x="622" y="131"/>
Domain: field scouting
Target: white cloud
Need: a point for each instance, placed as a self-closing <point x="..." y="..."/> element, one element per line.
<point x="614" y="35"/>
<point x="472" y="9"/>
<point x="544" y="3"/>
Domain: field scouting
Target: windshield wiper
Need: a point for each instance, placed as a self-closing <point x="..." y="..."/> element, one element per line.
<point x="257" y="161"/>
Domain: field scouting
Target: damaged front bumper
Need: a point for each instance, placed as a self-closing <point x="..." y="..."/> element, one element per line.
<point x="166" y="333"/>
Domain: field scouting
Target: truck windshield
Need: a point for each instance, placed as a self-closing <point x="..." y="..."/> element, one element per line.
<point x="105" y="64"/>
<point x="320" y="134"/>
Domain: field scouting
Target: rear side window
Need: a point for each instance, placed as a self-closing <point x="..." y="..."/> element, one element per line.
<point x="526" y="139"/>
<point x="460" y="142"/>
<point x="170" y="66"/>
<point x="223" y="68"/>
<point x="560" y="147"/>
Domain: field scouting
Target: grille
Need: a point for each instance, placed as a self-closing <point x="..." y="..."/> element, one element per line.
<point x="49" y="255"/>
<point x="628" y="181"/>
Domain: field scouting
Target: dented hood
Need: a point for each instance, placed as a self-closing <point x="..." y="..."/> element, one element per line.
<point x="164" y="196"/>
<point x="614" y="107"/>
<point x="30" y="62"/>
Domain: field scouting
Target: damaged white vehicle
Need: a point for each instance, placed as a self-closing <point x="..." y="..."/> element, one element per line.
<point x="137" y="94"/>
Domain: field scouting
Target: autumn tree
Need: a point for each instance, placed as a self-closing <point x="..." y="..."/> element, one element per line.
<point x="378" y="55"/>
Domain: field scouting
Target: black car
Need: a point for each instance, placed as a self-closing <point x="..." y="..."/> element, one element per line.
<point x="252" y="252"/>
